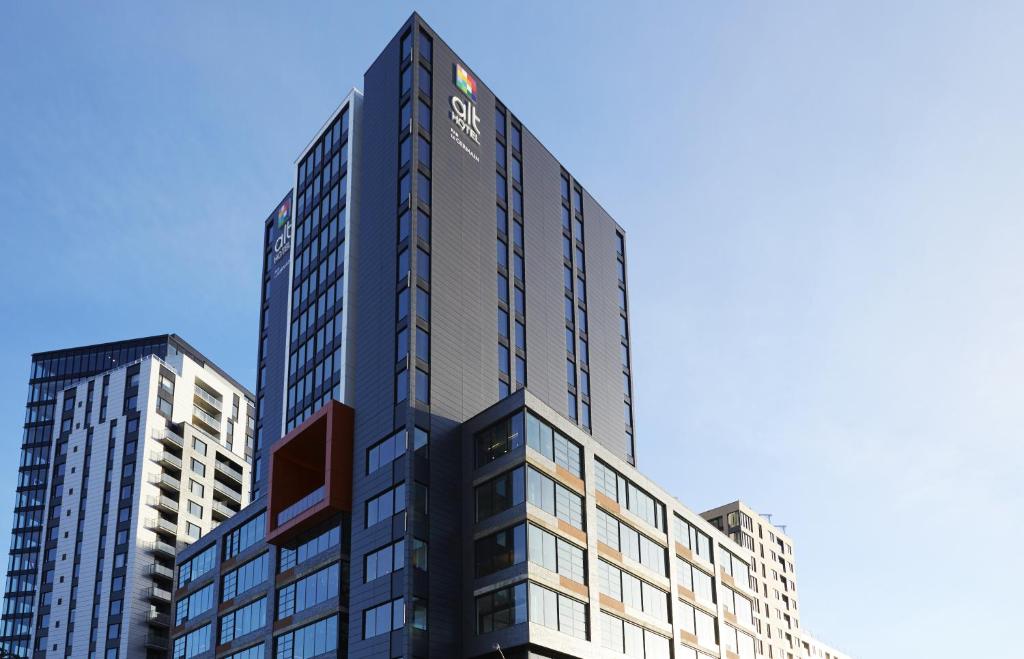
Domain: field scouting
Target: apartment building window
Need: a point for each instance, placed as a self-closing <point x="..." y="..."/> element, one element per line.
<point x="624" y="491"/>
<point x="554" y="498"/>
<point x="197" y="566"/>
<point x="556" y="554"/>
<point x="500" y="493"/>
<point x="501" y="608"/>
<point x="632" y="591"/>
<point x="245" y="536"/>
<point x="244" y="620"/>
<point x="499" y="439"/>
<point x="310" y="547"/>
<point x="383" y="618"/>
<point x="553" y="445"/>
<point x="385" y="504"/>
<point x="737" y="642"/>
<point x="739" y="605"/>
<point x="384" y="561"/>
<point x="192" y="644"/>
<point x="624" y="538"/>
<point x="385" y="451"/>
<point x="697" y="581"/>
<point x="733" y="566"/>
<point x="309" y="591"/>
<point x="557" y="611"/>
<point x="194" y="605"/>
<point x="254" y="652"/>
<point x="311" y="640"/>
<point x="246" y="576"/>
<point x="627" y="638"/>
<point x="500" y="550"/>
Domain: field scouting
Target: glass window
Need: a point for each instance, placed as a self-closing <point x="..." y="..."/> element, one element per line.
<point x="308" y="591"/>
<point x="500" y="493"/>
<point x="500" y="550"/>
<point x="501" y="608"/>
<point x="502" y="323"/>
<point x="425" y="85"/>
<point x="499" y="121"/>
<point x="499" y="439"/>
<point x="423" y="114"/>
<point x="423" y="187"/>
<point x="424" y="152"/>
<point x="500" y="186"/>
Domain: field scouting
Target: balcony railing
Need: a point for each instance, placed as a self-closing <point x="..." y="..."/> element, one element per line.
<point x="229" y="470"/>
<point x="300" y="506"/>
<point x="221" y="511"/>
<point x="158" y="619"/>
<point x="221" y="488"/>
<point x="157" y="641"/>
<point x="157" y="593"/>
<point x="161" y="571"/>
<point x="165" y="481"/>
<point x="206" y="418"/>
<point x="162" y="503"/>
<point x="209" y="398"/>
<point x="163" y="457"/>
<point x="168" y="436"/>
<point x="160" y="547"/>
<point x="162" y="525"/>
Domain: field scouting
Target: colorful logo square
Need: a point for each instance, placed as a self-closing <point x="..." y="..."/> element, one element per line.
<point x="282" y="212"/>
<point x="465" y="82"/>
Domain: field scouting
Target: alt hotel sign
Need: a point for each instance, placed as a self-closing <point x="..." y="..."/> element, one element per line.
<point x="463" y="112"/>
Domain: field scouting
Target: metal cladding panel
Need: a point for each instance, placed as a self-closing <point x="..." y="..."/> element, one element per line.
<point x="545" y="290"/>
<point x="274" y="322"/>
<point x="606" y="393"/>
<point x="464" y="337"/>
<point x="373" y="327"/>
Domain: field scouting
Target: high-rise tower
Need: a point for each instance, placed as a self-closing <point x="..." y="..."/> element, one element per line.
<point x="131" y="450"/>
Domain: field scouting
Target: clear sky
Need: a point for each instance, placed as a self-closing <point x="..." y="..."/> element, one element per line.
<point x="824" y="207"/>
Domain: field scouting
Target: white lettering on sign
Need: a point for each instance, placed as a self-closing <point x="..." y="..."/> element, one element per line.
<point x="458" y="140"/>
<point x="464" y="114"/>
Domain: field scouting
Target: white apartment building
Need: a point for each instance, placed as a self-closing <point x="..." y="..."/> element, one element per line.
<point x="156" y="454"/>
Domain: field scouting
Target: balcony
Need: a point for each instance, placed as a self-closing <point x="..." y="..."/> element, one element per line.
<point x="227" y="492"/>
<point x="165" y="504"/>
<point x="157" y="642"/>
<point x="206" y="421"/>
<point x="159" y="571"/>
<point x="160" y="547"/>
<point x="207" y="398"/>
<point x="168" y="436"/>
<point x="300" y="506"/>
<point x="229" y="470"/>
<point x="158" y="619"/>
<point x="220" y="511"/>
<point x="158" y="594"/>
<point x="161" y="525"/>
<point x="311" y="473"/>
<point x="166" y="459"/>
<point x="165" y="482"/>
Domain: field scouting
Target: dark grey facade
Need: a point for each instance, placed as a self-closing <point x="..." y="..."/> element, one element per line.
<point x="272" y="351"/>
<point x="442" y="259"/>
<point x="436" y="356"/>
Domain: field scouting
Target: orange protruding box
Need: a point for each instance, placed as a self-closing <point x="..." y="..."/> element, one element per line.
<point x="310" y="476"/>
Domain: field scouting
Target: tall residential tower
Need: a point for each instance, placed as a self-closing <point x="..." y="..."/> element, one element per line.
<point x="132" y="450"/>
<point x="446" y="441"/>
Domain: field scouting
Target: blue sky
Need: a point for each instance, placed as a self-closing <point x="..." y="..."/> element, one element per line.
<point x="824" y="209"/>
